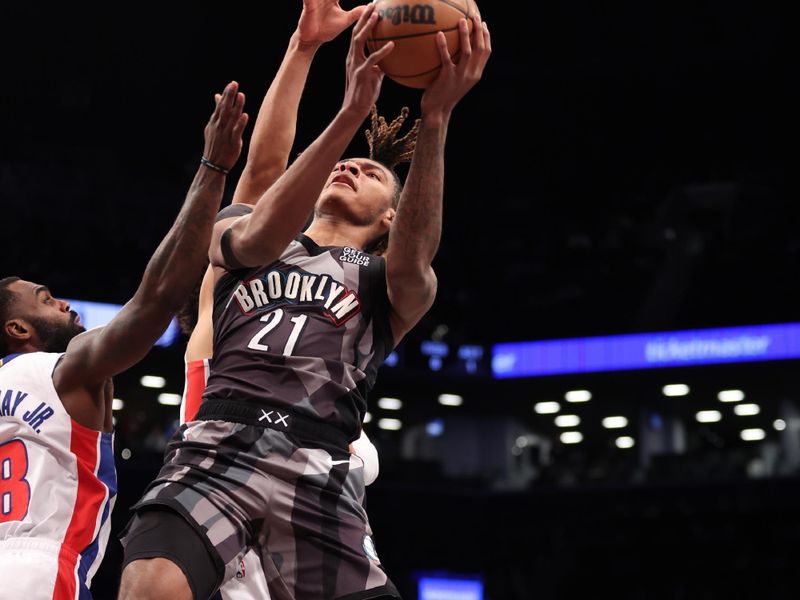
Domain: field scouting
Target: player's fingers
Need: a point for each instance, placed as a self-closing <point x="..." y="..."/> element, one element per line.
<point x="363" y="35"/>
<point x="444" y="52"/>
<point x="225" y="101"/>
<point x="355" y="14"/>
<point x="220" y="103"/>
<point x="380" y="54"/>
<point x="487" y="37"/>
<point x="241" y="123"/>
<point x="229" y="97"/>
<point x="466" y="44"/>
<point x="477" y="40"/>
<point x="363" y="19"/>
<point x="238" y="102"/>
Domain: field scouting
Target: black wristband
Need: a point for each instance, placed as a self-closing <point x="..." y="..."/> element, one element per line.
<point x="207" y="163"/>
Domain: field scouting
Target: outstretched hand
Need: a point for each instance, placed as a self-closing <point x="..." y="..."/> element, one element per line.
<point x="223" y="134"/>
<point x="455" y="80"/>
<point x="323" y="20"/>
<point x="364" y="77"/>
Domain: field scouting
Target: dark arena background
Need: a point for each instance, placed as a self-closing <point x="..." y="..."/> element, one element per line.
<point x="615" y="187"/>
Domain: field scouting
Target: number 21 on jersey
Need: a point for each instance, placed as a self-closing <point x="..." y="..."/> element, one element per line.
<point x="272" y="320"/>
<point x="15" y="491"/>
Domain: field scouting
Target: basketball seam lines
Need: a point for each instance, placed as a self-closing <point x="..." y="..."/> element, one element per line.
<point x="411" y="35"/>
<point x="458" y="8"/>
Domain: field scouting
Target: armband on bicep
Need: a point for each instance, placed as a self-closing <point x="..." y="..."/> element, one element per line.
<point x="225" y="243"/>
<point x="231" y="262"/>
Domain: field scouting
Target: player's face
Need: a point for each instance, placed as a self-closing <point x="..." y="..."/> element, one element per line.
<point x="359" y="189"/>
<point x="50" y="321"/>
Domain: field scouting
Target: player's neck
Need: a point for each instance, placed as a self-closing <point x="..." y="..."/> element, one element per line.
<point x="333" y="232"/>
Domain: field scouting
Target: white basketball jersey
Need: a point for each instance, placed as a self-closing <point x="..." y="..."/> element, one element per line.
<point x="58" y="485"/>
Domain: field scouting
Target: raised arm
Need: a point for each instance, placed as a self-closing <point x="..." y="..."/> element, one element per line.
<point x="275" y="126"/>
<point x="98" y="354"/>
<point x="417" y="227"/>
<point x="273" y="135"/>
<point x="280" y="214"/>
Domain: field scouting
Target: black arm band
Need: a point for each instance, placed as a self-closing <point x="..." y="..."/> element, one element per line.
<point x="207" y="163"/>
<point x="227" y="252"/>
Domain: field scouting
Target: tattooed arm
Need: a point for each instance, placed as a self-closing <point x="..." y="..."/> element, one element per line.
<point x="417" y="227"/>
<point x="96" y="355"/>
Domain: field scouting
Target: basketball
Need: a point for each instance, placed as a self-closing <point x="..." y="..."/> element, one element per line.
<point x="412" y="25"/>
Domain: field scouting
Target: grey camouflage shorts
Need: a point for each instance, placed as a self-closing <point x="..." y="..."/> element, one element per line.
<point x="244" y="486"/>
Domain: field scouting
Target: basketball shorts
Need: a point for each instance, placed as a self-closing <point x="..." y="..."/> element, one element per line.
<point x="292" y="493"/>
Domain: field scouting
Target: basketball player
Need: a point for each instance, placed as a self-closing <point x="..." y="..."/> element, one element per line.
<point x="57" y="475"/>
<point x="270" y="145"/>
<point x="300" y="328"/>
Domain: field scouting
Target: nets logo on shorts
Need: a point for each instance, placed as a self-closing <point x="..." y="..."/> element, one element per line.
<point x="369" y="549"/>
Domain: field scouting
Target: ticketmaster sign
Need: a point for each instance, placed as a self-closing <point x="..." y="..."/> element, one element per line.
<point x="647" y="351"/>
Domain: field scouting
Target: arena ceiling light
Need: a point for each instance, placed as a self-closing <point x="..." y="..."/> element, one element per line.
<point x="117" y="404"/>
<point x="367" y="417"/>
<point x="450" y="400"/>
<point x="779" y="424"/>
<point x="390" y="403"/>
<point x="568" y="421"/>
<point x="752" y="435"/>
<point x="625" y="442"/>
<point x="571" y="437"/>
<point x="675" y="389"/>
<point x="546" y="408"/>
<point x="169" y="399"/>
<point x="746" y="410"/>
<point x="578" y="396"/>
<point x="615" y="422"/>
<point x="731" y="396"/>
<point x="390" y="424"/>
<point x="708" y="416"/>
<point x="435" y="428"/>
<point x="153" y="381"/>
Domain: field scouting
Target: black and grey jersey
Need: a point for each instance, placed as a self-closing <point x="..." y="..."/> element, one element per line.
<point x="307" y="332"/>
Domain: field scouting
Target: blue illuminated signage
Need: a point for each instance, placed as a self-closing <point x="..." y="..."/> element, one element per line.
<point x="647" y="351"/>
<point x="449" y="588"/>
<point x="97" y="314"/>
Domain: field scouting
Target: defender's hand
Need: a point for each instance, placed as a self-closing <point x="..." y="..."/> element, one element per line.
<point x="223" y="134"/>
<point x="364" y="77"/>
<point x="455" y="80"/>
<point x="323" y="20"/>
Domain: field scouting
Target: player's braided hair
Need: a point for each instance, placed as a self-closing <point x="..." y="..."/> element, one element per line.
<point x="7" y="297"/>
<point x="385" y="148"/>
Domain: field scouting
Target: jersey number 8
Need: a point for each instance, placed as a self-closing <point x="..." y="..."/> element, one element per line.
<point x="15" y="491"/>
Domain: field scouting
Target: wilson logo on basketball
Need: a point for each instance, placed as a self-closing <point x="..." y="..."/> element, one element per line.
<point x="423" y="14"/>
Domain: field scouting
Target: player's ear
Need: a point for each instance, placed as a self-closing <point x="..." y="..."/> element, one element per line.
<point x="18" y="330"/>
<point x="388" y="217"/>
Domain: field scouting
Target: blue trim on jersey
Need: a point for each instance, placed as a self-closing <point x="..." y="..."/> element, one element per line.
<point x="7" y="359"/>
<point x="83" y="589"/>
<point x="107" y="474"/>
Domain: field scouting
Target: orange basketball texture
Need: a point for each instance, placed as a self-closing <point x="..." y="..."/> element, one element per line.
<point x="412" y="25"/>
